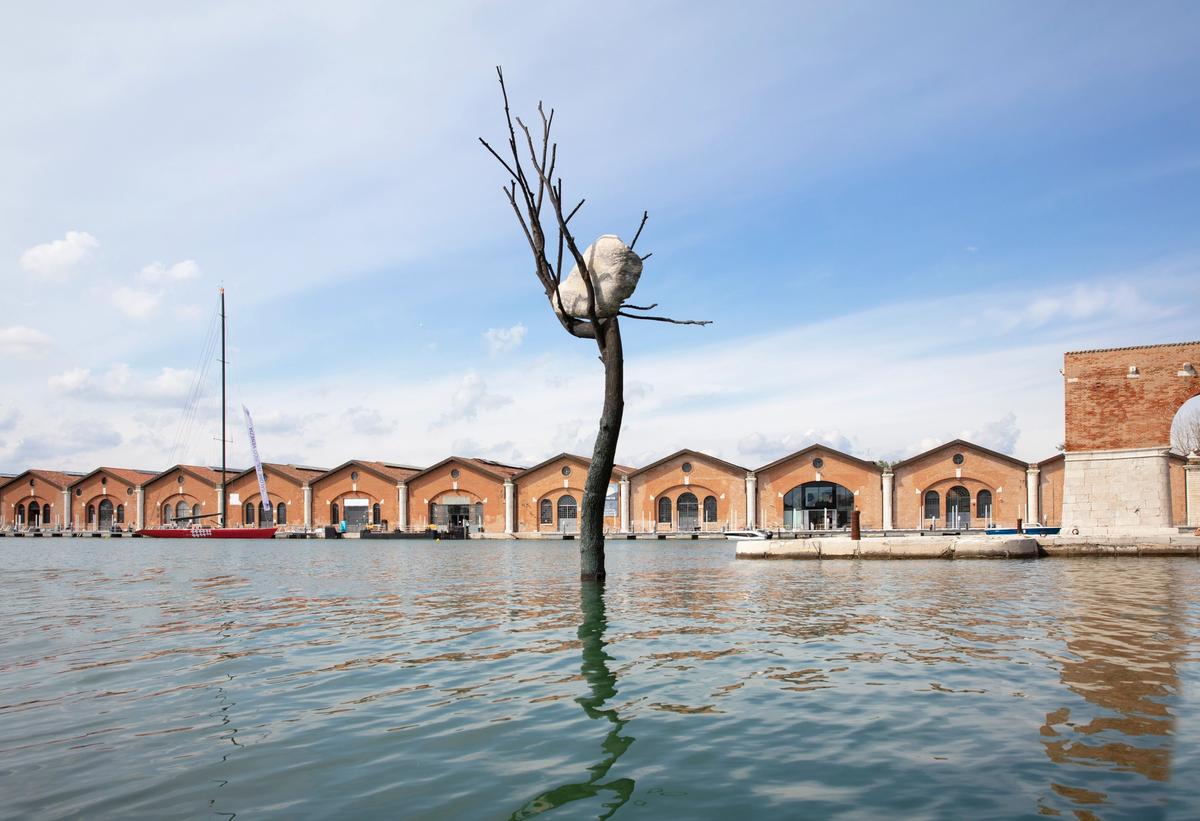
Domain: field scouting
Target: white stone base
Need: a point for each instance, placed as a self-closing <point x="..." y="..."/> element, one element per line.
<point x="1117" y="493"/>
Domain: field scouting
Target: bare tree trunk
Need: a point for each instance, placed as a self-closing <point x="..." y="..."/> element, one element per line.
<point x="595" y="489"/>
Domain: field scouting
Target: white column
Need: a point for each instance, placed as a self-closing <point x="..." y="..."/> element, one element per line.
<point x="402" y="505"/>
<point x="510" y="507"/>
<point x="140" y="504"/>
<point x="751" y="500"/>
<point x="66" y="511"/>
<point x="1033" y="512"/>
<point x="307" y="506"/>
<point x="1191" y="477"/>
<point x="889" y="484"/>
<point x="624" y="504"/>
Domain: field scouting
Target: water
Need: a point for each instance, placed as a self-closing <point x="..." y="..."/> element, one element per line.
<point x="155" y="679"/>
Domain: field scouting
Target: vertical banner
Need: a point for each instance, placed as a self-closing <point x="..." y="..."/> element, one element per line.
<point x="262" y="482"/>
<point x="610" y="501"/>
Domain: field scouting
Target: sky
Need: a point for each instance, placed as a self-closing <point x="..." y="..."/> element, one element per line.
<point x="898" y="217"/>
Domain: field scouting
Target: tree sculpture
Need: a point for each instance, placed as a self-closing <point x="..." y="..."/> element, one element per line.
<point x="588" y="303"/>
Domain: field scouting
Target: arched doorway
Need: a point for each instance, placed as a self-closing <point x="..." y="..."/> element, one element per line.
<point x="107" y="514"/>
<point x="958" y="507"/>
<point x="35" y="515"/>
<point x="568" y="514"/>
<point x="932" y="509"/>
<point x="817" y="506"/>
<point x="687" y="507"/>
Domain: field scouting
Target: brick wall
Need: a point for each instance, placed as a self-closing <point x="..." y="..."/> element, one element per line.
<point x="708" y="477"/>
<point x="479" y="485"/>
<point x="980" y="470"/>
<point x="547" y="482"/>
<point x="863" y="479"/>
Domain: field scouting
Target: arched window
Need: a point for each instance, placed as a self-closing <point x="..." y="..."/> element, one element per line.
<point x="958" y="507"/>
<point x="710" y="508"/>
<point x="120" y="514"/>
<point x="281" y="514"/>
<point x="983" y="505"/>
<point x="664" y="510"/>
<point x="248" y="514"/>
<point x="21" y="513"/>
<point x="264" y="515"/>
<point x="933" y="505"/>
<point x="545" y="512"/>
<point x="568" y="513"/>
<point x="107" y="514"/>
<point x="376" y="514"/>
<point x="35" y="514"/>
<point x="181" y="510"/>
<point x="166" y="513"/>
<point x="91" y="513"/>
<point x="817" y="506"/>
<point x="689" y="511"/>
<point x="333" y="513"/>
<point x="45" y="515"/>
<point x="196" y="510"/>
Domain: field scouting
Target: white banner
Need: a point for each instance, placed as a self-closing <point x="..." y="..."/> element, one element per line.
<point x="262" y="482"/>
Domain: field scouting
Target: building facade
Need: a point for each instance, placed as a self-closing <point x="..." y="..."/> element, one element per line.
<point x="107" y="498"/>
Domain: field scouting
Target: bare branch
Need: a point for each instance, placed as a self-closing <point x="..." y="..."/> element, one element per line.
<point x="649" y="307"/>
<point x="645" y="216"/>
<point x="667" y="319"/>
<point x="573" y="210"/>
<point x="643" y="259"/>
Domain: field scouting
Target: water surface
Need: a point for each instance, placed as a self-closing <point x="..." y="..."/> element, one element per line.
<point x="155" y="679"/>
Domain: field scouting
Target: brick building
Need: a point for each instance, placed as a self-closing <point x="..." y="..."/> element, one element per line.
<point x="288" y="490"/>
<point x="960" y="485"/>
<point x="36" y="499"/>
<point x="1119" y="404"/>
<point x="549" y="496"/>
<point x="819" y="487"/>
<point x="460" y="491"/>
<point x="181" y="492"/>
<point x="688" y="491"/>
<point x="361" y="492"/>
<point x="107" y="498"/>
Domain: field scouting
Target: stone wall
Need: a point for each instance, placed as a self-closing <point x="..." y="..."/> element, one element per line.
<point x="1117" y="492"/>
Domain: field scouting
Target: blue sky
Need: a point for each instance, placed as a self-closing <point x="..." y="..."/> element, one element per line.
<point x="898" y="215"/>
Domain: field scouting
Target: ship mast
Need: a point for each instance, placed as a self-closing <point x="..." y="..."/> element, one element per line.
<point x="224" y="501"/>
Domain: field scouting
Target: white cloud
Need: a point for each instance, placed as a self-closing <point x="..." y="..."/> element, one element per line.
<point x="59" y="256"/>
<point x="1000" y="434"/>
<point x="470" y="398"/>
<point x="504" y="340"/>
<point x="122" y="383"/>
<point x="135" y="303"/>
<point x="157" y="272"/>
<point x="758" y="449"/>
<point x="368" y="421"/>
<point x="22" y="341"/>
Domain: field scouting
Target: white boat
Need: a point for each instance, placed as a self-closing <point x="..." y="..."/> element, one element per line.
<point x="747" y="535"/>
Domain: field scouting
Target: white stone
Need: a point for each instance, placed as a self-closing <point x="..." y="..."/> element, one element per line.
<point x="615" y="270"/>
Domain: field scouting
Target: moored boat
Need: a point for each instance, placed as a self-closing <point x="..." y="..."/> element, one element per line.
<point x="202" y="532"/>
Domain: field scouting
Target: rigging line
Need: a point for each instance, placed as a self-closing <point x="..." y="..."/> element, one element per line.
<point x="191" y="404"/>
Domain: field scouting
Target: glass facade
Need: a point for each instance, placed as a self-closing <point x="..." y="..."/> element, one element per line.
<point x="817" y="506"/>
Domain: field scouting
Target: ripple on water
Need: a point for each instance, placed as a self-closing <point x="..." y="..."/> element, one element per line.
<point x="479" y="680"/>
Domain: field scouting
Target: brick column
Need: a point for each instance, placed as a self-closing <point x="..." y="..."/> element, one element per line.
<point x="1033" y="512"/>
<point x="624" y="503"/>
<point x="1191" y="473"/>
<point x="889" y="483"/>
<point x="751" y="501"/>
<point x="510" y="507"/>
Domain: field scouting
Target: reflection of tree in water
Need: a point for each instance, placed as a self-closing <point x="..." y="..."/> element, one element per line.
<point x="603" y="685"/>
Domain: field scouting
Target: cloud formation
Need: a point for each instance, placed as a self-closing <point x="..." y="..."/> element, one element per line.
<point x="136" y="303"/>
<point x="19" y="340"/>
<point x="60" y="256"/>
<point x="368" y="421"/>
<point x="122" y="384"/>
<point x="157" y="272"/>
<point x="504" y="340"/>
<point x="469" y="398"/>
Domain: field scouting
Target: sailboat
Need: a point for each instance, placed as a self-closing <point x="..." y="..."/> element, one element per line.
<point x="194" y="527"/>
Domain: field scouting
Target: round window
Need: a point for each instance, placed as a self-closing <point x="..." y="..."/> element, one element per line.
<point x="454" y="474"/>
<point x="958" y="458"/>
<point x="128" y="491"/>
<point x="104" y="480"/>
<point x="818" y="463"/>
<point x="354" y="476"/>
<point x="179" y="478"/>
<point x="31" y="483"/>
<point x="566" y="471"/>
<point x="687" y="467"/>
<point x="78" y="491"/>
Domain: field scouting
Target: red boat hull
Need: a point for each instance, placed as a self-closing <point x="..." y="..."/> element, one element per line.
<point x="208" y="532"/>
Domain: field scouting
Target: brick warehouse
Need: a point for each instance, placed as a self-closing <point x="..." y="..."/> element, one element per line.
<point x="1116" y="476"/>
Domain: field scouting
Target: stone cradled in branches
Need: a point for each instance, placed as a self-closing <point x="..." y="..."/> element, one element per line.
<point x="615" y="270"/>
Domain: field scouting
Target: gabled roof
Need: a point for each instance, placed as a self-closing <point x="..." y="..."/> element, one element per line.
<point x="297" y="473"/>
<point x="129" y="475"/>
<point x="384" y="470"/>
<point x="583" y="460"/>
<point x="964" y="444"/>
<point x="825" y="448"/>
<point x="210" y="476"/>
<point x="55" y="478"/>
<point x="689" y="452"/>
<point x="1056" y="457"/>
<point x="494" y="469"/>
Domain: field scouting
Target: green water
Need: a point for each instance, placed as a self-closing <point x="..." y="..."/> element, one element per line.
<point x="156" y="679"/>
